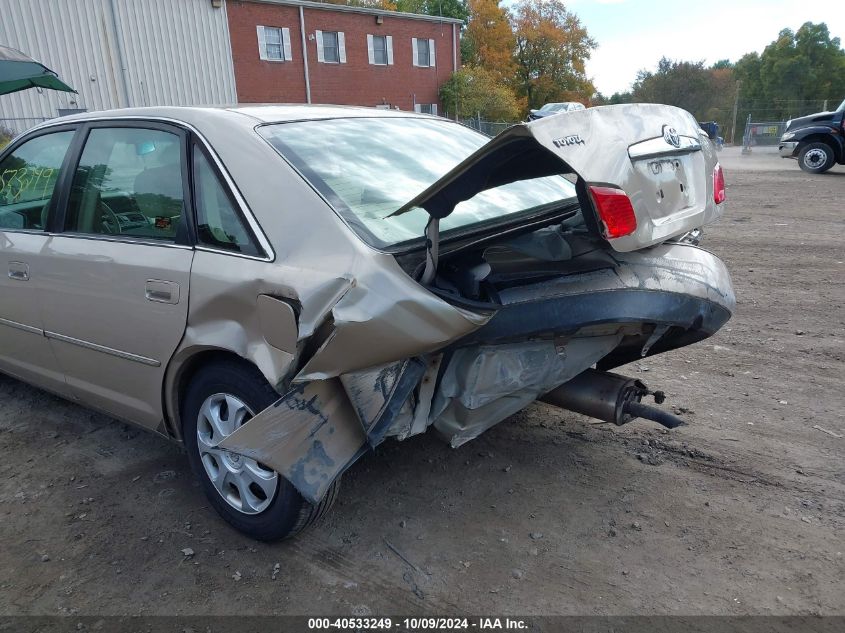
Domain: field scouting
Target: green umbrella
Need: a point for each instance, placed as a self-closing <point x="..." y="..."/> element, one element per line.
<point x="19" y="72"/>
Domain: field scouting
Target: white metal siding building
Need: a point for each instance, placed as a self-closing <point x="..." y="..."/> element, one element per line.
<point x="119" y="53"/>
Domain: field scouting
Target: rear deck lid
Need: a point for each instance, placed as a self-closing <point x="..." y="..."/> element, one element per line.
<point x="656" y="154"/>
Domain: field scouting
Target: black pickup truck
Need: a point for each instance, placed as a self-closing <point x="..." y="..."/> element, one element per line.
<point x="817" y="140"/>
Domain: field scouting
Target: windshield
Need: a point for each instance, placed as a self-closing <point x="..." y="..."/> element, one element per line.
<point x="841" y="107"/>
<point x="369" y="167"/>
<point x="563" y="107"/>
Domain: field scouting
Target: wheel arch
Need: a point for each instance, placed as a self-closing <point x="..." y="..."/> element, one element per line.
<point x="184" y="366"/>
<point x="819" y="137"/>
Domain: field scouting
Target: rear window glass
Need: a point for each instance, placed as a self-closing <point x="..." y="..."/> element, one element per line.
<point x="368" y="168"/>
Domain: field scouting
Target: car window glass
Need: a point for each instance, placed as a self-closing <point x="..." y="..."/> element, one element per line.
<point x="128" y="183"/>
<point x="375" y="166"/>
<point x="27" y="180"/>
<point x="218" y="223"/>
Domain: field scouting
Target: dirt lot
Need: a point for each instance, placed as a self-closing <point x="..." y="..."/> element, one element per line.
<point x="742" y="511"/>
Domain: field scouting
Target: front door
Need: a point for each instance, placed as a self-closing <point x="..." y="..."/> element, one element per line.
<point x="118" y="279"/>
<point x="28" y="177"/>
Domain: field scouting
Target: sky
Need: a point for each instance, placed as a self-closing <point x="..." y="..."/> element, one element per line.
<point x="635" y="34"/>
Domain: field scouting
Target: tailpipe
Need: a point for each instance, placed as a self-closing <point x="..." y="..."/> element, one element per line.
<point x="610" y="397"/>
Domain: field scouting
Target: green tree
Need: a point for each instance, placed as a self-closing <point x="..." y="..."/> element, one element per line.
<point x="620" y="97"/>
<point x="6" y="135"/>
<point x="678" y="83"/>
<point x="747" y="70"/>
<point x="807" y="65"/>
<point x="474" y="91"/>
<point x="552" y="48"/>
<point x="444" y="8"/>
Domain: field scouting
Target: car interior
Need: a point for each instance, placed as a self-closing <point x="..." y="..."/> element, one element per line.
<point x="128" y="182"/>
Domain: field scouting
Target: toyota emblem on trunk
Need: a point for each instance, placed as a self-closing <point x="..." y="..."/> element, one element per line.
<point x="670" y="135"/>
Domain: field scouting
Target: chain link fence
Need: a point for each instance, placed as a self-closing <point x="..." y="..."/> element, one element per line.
<point x="758" y="122"/>
<point x="762" y="133"/>
<point x="763" y="115"/>
<point x="489" y="128"/>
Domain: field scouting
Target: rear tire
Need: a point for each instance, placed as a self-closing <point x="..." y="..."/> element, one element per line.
<point x="236" y="390"/>
<point x="816" y="158"/>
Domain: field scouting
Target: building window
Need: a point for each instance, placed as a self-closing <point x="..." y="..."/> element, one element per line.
<point x="422" y="52"/>
<point x="426" y="108"/>
<point x="331" y="47"/>
<point x="380" y="49"/>
<point x="274" y="44"/>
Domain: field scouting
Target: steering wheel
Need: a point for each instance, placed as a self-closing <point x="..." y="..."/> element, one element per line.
<point x="110" y="225"/>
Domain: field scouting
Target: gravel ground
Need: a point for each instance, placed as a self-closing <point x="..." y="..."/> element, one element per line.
<point x="740" y="512"/>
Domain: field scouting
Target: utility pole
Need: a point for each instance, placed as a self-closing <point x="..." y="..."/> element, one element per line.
<point x="746" y="138"/>
<point x="736" y="107"/>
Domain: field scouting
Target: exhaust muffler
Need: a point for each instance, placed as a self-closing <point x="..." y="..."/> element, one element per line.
<point x="610" y="397"/>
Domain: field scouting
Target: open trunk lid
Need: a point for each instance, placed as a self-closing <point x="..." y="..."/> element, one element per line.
<point x="656" y="154"/>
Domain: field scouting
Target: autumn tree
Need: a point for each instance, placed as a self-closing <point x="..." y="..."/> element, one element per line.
<point x="474" y="91"/>
<point x="488" y="40"/>
<point x="552" y="48"/>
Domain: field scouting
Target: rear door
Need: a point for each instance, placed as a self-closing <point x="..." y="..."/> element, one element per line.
<point x="116" y="288"/>
<point x="29" y="174"/>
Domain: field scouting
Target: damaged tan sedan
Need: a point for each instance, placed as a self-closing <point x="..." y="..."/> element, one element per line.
<point x="282" y="288"/>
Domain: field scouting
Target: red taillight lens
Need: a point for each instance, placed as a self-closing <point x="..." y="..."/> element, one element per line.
<point x="615" y="210"/>
<point x="718" y="185"/>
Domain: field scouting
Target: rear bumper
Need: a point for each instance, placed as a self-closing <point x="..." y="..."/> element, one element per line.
<point x="561" y="315"/>
<point x="674" y="285"/>
<point x="788" y="149"/>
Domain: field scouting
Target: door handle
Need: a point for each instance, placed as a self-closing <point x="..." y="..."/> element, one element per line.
<point x="160" y="291"/>
<point x="18" y="271"/>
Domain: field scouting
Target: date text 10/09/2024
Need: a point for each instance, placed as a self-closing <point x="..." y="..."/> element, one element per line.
<point x="418" y="624"/>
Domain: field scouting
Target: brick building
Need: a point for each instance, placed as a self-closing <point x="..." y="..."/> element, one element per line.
<point x="127" y="53"/>
<point x="353" y="55"/>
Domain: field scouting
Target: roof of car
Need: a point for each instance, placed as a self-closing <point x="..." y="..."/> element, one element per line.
<point x="259" y="112"/>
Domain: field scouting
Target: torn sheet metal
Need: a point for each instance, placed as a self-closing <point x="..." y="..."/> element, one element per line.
<point x="422" y="412"/>
<point x="369" y="390"/>
<point x="309" y="436"/>
<point x="317" y="303"/>
<point x="483" y="385"/>
<point x="386" y="318"/>
<point x="379" y="394"/>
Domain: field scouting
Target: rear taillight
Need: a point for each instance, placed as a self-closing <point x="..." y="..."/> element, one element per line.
<point x="615" y="210"/>
<point x="718" y="185"/>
